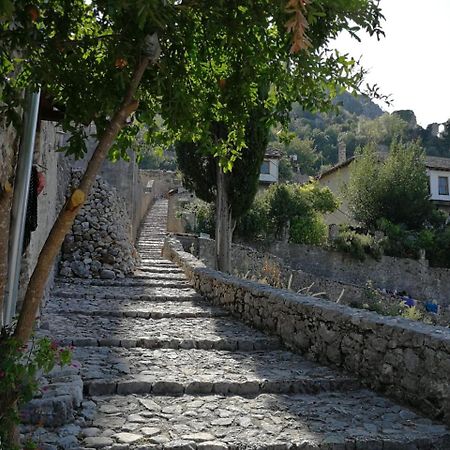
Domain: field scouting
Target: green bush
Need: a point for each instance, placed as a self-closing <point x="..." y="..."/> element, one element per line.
<point x="439" y="252"/>
<point x="204" y="213"/>
<point x="403" y="243"/>
<point x="299" y="208"/>
<point x="311" y="230"/>
<point x="293" y="207"/>
<point x="358" y="245"/>
<point x="254" y="224"/>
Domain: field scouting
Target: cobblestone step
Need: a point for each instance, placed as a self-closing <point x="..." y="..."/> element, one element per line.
<point x="157" y="262"/>
<point x="359" y="420"/>
<point x="147" y="254"/>
<point x="125" y="283"/>
<point x="134" y="308"/>
<point x="174" y="276"/>
<point x="204" y="333"/>
<point x="155" y="245"/>
<point x="157" y="269"/>
<point x="176" y="372"/>
<point x="131" y="293"/>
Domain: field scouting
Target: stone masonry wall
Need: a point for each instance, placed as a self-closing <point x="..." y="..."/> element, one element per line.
<point x="246" y="262"/>
<point x="252" y="264"/>
<point x="413" y="276"/>
<point x="99" y="245"/>
<point x="406" y="360"/>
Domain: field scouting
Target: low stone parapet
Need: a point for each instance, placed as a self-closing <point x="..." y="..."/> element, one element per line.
<point x="408" y="361"/>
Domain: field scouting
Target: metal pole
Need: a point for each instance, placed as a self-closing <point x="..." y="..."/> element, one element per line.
<point x="19" y="206"/>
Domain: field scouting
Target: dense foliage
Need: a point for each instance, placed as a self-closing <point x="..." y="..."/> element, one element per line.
<point x="199" y="168"/>
<point x="289" y="211"/>
<point x="394" y="188"/>
<point x="157" y="160"/>
<point x="358" y="245"/>
<point x="281" y="211"/>
<point x="357" y="121"/>
<point x="389" y="197"/>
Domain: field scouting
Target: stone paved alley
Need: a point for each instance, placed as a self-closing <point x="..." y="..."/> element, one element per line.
<point x="162" y="368"/>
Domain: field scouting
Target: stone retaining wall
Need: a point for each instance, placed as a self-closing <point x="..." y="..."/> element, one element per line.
<point x="406" y="360"/>
<point x="252" y="264"/>
<point x="402" y="274"/>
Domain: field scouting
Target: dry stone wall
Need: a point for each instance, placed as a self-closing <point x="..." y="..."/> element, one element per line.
<point x="246" y="262"/>
<point x="401" y="274"/>
<point x="252" y="264"/>
<point x="99" y="245"/>
<point x="406" y="360"/>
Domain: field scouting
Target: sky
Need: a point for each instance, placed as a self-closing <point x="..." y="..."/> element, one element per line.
<point x="412" y="62"/>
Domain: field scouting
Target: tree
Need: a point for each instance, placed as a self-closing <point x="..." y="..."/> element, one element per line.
<point x="67" y="52"/>
<point x="308" y="158"/>
<point x="99" y="61"/>
<point x="395" y="189"/>
<point x="258" y="57"/>
<point x="289" y="211"/>
<point x="232" y="192"/>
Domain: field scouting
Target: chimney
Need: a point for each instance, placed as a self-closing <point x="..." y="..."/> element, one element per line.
<point x="342" y="151"/>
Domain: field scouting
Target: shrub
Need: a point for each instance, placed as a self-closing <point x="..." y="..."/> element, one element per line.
<point x="204" y="214"/>
<point x="311" y="230"/>
<point x="404" y="243"/>
<point x="205" y="218"/>
<point x="358" y="245"/>
<point x="254" y="224"/>
<point x="294" y="208"/>
<point x="439" y="252"/>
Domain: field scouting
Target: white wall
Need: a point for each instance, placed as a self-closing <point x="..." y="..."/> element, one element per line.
<point x="434" y="184"/>
<point x="272" y="176"/>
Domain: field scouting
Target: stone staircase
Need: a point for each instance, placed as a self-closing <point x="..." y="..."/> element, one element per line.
<point x="163" y="369"/>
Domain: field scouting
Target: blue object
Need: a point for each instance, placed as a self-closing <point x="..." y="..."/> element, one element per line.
<point x="432" y="307"/>
<point x="410" y="302"/>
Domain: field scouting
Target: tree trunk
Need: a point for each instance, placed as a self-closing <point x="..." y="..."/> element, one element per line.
<point x="69" y="211"/>
<point x="224" y="224"/>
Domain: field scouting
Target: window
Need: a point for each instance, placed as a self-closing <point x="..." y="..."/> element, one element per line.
<point x="265" y="169"/>
<point x="443" y="185"/>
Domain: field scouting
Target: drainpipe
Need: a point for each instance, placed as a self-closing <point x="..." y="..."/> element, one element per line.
<point x="19" y="206"/>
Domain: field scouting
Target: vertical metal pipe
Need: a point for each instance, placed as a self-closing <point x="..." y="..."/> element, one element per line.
<point x="19" y="206"/>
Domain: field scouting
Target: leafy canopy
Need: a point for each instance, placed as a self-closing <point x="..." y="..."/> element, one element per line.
<point x="394" y="188"/>
<point x="215" y="55"/>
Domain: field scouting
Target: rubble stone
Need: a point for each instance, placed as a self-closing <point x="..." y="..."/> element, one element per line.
<point x="99" y="245"/>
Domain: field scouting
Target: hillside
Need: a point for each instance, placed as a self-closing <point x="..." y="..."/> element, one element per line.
<point x="313" y="138"/>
